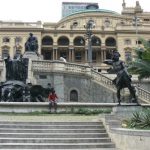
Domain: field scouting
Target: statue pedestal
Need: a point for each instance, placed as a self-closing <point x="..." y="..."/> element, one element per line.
<point x="31" y="55"/>
<point x="126" y="110"/>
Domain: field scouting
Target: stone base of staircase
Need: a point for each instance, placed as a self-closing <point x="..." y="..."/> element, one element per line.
<point x="54" y="135"/>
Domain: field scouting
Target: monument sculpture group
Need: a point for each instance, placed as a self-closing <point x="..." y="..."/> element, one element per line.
<point x="15" y="89"/>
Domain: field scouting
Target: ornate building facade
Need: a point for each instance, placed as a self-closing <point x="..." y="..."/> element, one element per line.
<point x="66" y="38"/>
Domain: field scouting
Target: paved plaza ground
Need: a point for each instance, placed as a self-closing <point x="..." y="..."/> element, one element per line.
<point x="48" y="117"/>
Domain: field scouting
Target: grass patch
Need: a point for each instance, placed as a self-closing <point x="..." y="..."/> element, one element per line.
<point x="76" y="111"/>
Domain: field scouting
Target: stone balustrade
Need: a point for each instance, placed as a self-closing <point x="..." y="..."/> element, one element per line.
<point x="54" y="66"/>
<point x="102" y="79"/>
<point x="144" y="95"/>
<point x="4" y="24"/>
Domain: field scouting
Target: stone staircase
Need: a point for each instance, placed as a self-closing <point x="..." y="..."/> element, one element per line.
<point x="54" y="135"/>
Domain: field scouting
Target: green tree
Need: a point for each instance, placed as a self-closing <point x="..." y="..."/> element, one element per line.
<point x="141" y="65"/>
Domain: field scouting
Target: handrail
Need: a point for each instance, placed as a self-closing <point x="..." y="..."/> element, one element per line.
<point x="104" y="80"/>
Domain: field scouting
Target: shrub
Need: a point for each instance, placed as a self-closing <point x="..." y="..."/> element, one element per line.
<point x="139" y="120"/>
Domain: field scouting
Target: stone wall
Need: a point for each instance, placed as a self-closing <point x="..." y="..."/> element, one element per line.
<point x="87" y="89"/>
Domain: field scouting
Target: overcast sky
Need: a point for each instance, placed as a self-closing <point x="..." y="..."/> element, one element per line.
<point x="50" y="10"/>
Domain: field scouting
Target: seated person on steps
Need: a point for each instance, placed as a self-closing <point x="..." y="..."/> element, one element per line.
<point x="53" y="100"/>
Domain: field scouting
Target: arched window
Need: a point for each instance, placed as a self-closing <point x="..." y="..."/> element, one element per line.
<point x="5" y="53"/>
<point x="128" y="56"/>
<point x="74" y="96"/>
<point x="6" y="40"/>
<point x="96" y="41"/>
<point x="110" y="41"/>
<point x="63" y="41"/>
<point x="47" y="41"/>
<point x="79" y="41"/>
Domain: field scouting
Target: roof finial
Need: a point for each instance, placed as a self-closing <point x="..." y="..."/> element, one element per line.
<point x="123" y="4"/>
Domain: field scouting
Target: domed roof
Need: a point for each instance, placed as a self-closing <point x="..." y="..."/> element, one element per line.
<point x="94" y="10"/>
<point x="92" y="6"/>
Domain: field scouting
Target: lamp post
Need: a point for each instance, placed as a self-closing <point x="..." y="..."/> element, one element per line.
<point x="135" y="23"/>
<point x="88" y="36"/>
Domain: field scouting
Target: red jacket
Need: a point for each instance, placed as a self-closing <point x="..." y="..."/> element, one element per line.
<point x="52" y="97"/>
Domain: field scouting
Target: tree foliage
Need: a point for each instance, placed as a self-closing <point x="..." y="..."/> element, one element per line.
<point x="141" y="65"/>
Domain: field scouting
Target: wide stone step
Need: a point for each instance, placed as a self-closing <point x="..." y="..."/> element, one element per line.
<point x="51" y="126"/>
<point x="72" y="149"/>
<point x="51" y="123"/>
<point x="19" y="130"/>
<point x="54" y="140"/>
<point x="55" y="145"/>
<point x="53" y="135"/>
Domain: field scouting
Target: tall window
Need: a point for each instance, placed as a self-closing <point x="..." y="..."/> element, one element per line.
<point x="6" y="40"/>
<point x="127" y="42"/>
<point x="63" y="54"/>
<point x="18" y="40"/>
<point x="107" y="22"/>
<point x="94" y="56"/>
<point x="74" y="96"/>
<point x="78" y="56"/>
<point x="5" y="53"/>
<point x="128" y="56"/>
<point x="18" y="52"/>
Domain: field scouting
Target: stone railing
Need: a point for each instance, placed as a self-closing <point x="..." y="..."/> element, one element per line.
<point x="4" y="24"/>
<point x="102" y="79"/>
<point x="55" y="66"/>
<point x="143" y="95"/>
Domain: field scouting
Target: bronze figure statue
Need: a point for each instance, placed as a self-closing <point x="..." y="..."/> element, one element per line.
<point x="16" y="69"/>
<point x="31" y="44"/>
<point x="123" y="78"/>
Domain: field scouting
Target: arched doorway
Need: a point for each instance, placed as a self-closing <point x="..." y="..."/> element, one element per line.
<point x="73" y="96"/>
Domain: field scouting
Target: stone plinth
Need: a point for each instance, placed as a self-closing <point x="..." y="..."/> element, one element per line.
<point x="31" y="55"/>
<point x="126" y="110"/>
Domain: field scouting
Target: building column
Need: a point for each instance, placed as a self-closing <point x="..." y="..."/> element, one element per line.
<point x="86" y="51"/>
<point x="56" y="54"/>
<point x="70" y="55"/>
<point x="73" y="55"/>
<point x="103" y="53"/>
<point x="53" y="54"/>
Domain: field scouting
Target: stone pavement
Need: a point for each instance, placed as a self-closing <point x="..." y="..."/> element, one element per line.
<point x="47" y="117"/>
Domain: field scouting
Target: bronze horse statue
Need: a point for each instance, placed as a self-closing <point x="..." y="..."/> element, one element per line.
<point x="123" y="78"/>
